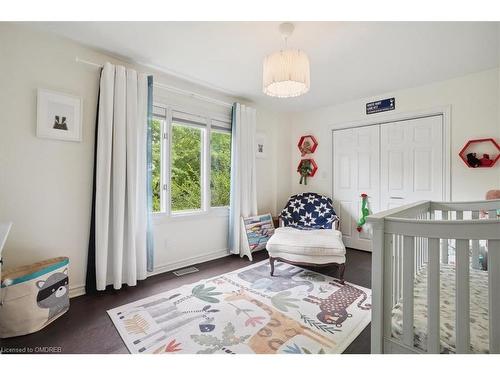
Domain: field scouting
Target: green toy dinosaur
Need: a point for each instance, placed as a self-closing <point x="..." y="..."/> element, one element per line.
<point x="364" y="212"/>
<point x="304" y="170"/>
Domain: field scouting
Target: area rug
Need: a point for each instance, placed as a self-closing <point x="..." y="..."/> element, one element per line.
<point x="297" y="311"/>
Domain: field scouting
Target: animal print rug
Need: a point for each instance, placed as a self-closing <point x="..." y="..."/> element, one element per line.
<point x="247" y="311"/>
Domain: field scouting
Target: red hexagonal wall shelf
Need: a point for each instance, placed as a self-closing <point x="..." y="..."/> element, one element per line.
<point x="314" y="166"/>
<point x="307" y="144"/>
<point x="472" y="160"/>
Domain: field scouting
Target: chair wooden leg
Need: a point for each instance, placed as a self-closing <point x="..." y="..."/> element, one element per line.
<point x="341" y="273"/>
<point x="271" y="261"/>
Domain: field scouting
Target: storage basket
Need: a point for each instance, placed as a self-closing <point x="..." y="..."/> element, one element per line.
<point x="33" y="296"/>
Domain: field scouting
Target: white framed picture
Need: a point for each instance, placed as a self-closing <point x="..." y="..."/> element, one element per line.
<point x="59" y="116"/>
<point x="261" y="145"/>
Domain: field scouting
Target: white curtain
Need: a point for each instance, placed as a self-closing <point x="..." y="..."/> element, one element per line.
<point x="243" y="174"/>
<point x="121" y="175"/>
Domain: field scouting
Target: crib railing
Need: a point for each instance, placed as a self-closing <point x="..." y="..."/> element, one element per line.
<point x="406" y="239"/>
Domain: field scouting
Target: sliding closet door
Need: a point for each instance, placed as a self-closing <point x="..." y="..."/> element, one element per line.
<point x="411" y="161"/>
<point x="356" y="170"/>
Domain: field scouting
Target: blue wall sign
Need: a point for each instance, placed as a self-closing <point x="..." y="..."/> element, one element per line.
<point x="381" y="106"/>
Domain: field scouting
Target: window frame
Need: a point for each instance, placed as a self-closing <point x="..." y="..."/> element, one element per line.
<point x="163" y="157"/>
<point x="216" y="129"/>
<point x="206" y="167"/>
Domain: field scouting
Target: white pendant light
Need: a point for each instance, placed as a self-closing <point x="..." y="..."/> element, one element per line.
<point x="286" y="73"/>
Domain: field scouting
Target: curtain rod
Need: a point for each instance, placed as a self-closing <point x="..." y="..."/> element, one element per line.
<point x="169" y="88"/>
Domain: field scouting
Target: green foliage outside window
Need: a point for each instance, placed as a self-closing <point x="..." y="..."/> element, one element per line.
<point x="185" y="173"/>
<point x="220" y="177"/>
<point x="156" y="156"/>
<point x="186" y="167"/>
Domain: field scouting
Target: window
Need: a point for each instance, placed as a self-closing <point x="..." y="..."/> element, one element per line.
<point x="156" y="138"/>
<point x="220" y="174"/>
<point x="191" y="162"/>
<point x="185" y="168"/>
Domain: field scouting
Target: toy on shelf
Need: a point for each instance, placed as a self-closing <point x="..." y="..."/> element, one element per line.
<point x="307" y="145"/>
<point x="486" y="161"/>
<point x="470" y="157"/>
<point x="306" y="168"/>
<point x="472" y="160"/>
<point x="365" y="211"/>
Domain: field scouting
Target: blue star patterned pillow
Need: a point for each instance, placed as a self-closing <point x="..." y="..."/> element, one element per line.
<point x="309" y="211"/>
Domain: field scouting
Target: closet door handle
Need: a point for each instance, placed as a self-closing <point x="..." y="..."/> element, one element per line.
<point x="396" y="198"/>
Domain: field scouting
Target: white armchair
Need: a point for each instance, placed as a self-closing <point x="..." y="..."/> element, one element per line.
<point x="308" y="234"/>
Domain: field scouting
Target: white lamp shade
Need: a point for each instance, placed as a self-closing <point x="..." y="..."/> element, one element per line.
<point x="286" y="74"/>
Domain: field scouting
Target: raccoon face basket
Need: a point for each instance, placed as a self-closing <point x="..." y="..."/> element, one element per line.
<point x="33" y="296"/>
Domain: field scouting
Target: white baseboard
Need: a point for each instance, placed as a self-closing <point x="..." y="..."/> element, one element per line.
<point x="79" y="290"/>
<point x="189" y="261"/>
<point x="76" y="291"/>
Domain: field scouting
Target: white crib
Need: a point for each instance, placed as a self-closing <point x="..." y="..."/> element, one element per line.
<point x="415" y="240"/>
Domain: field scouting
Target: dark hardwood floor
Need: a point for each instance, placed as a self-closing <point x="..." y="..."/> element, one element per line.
<point x="86" y="327"/>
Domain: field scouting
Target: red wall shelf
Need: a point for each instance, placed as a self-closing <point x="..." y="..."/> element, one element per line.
<point x="313" y="165"/>
<point x="313" y="144"/>
<point x="483" y="161"/>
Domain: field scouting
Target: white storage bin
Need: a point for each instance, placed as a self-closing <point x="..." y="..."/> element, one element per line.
<point x="33" y="296"/>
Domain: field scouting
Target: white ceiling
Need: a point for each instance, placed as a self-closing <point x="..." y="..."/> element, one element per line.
<point x="349" y="60"/>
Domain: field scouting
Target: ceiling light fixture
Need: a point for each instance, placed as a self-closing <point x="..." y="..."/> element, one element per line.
<point x="286" y="73"/>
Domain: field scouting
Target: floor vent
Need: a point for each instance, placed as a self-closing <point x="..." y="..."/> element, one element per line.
<point x="185" y="271"/>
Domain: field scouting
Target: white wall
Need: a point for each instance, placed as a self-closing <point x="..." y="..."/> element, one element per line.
<point x="474" y="101"/>
<point x="273" y="183"/>
<point x="45" y="185"/>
